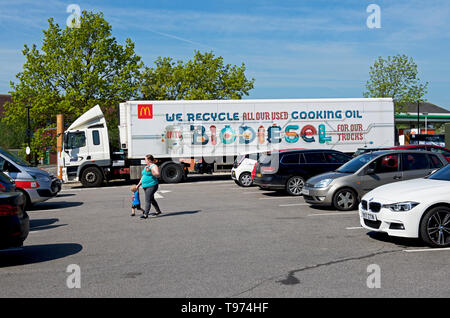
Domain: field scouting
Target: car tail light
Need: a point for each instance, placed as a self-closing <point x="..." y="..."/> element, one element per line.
<point x="267" y="169"/>
<point x="2" y="188"/>
<point x="254" y="171"/>
<point x="27" y="184"/>
<point x="8" y="210"/>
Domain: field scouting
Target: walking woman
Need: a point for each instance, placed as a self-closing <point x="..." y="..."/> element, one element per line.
<point x="149" y="182"/>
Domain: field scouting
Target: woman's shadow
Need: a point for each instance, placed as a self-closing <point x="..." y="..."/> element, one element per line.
<point x="177" y="213"/>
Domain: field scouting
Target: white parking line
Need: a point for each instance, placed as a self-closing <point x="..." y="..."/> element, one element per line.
<point x="333" y="213"/>
<point x="294" y="204"/>
<point x="354" y="228"/>
<point x="428" y="250"/>
<point x="259" y="192"/>
<point x="283" y="198"/>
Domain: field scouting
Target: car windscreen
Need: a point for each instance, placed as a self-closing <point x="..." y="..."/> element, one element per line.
<point x="13" y="158"/>
<point x="441" y="174"/>
<point x="356" y="163"/>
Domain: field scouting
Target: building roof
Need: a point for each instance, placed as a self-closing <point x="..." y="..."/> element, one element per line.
<point x="425" y="107"/>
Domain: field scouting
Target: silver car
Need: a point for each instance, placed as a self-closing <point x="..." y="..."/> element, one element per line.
<point x="344" y="187"/>
<point x="37" y="185"/>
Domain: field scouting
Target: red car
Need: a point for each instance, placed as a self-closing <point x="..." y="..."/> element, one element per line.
<point x="433" y="148"/>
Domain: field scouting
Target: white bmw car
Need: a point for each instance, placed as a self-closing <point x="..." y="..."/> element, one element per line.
<point x="418" y="208"/>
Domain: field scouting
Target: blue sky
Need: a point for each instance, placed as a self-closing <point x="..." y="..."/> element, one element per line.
<point x="293" y="49"/>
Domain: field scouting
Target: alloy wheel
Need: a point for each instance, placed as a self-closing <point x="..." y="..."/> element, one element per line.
<point x="295" y="185"/>
<point x="246" y="180"/>
<point x="345" y="200"/>
<point x="438" y="227"/>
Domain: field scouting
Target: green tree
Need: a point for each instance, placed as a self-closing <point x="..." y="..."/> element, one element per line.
<point x="396" y="77"/>
<point x="75" y="69"/>
<point x="204" y="77"/>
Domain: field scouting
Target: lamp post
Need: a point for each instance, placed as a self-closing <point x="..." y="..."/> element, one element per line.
<point x="418" y="117"/>
<point x="28" y="150"/>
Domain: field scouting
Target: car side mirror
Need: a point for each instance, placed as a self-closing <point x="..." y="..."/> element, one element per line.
<point x="370" y="170"/>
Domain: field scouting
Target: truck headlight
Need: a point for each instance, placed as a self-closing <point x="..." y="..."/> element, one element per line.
<point x="323" y="183"/>
<point x="401" y="206"/>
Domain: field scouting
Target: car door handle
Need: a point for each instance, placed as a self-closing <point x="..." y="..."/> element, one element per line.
<point x="397" y="177"/>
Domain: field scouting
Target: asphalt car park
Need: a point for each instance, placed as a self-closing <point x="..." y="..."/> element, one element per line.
<point x="214" y="239"/>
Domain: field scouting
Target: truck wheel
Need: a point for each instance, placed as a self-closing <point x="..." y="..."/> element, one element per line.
<point x="172" y="173"/>
<point x="91" y="177"/>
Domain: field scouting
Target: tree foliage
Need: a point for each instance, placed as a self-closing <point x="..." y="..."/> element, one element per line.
<point x="204" y="77"/>
<point x="396" y="77"/>
<point x="75" y="69"/>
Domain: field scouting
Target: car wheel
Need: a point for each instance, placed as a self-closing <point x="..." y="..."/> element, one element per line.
<point x="345" y="200"/>
<point x="435" y="227"/>
<point x="294" y="185"/>
<point x="26" y="199"/>
<point x="245" y="179"/>
<point x="91" y="177"/>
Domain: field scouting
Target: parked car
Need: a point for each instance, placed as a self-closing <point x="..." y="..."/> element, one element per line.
<point x="14" y="220"/>
<point x="288" y="169"/>
<point x="6" y="183"/>
<point x="418" y="208"/>
<point x="242" y="169"/>
<point x="36" y="184"/>
<point x="433" y="148"/>
<point x="344" y="187"/>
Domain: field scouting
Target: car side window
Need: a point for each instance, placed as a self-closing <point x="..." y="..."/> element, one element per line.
<point x="385" y="164"/>
<point x="435" y="162"/>
<point x="336" y="158"/>
<point x="315" y="157"/>
<point x="2" y="163"/>
<point x="291" y="159"/>
<point x="415" y="161"/>
<point x="442" y="151"/>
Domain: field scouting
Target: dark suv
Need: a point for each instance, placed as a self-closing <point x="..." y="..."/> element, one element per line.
<point x="288" y="169"/>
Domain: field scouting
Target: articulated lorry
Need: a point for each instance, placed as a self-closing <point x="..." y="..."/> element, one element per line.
<point x="217" y="131"/>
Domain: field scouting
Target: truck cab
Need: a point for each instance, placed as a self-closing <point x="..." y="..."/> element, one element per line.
<point x="86" y="151"/>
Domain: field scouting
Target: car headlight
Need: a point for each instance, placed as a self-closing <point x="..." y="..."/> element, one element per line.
<point x="323" y="183"/>
<point x="401" y="206"/>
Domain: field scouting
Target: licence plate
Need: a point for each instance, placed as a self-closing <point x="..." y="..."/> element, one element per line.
<point x="259" y="175"/>
<point x="305" y="191"/>
<point x="369" y="216"/>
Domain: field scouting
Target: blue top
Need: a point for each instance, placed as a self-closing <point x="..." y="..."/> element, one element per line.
<point x="148" y="180"/>
<point x="136" y="200"/>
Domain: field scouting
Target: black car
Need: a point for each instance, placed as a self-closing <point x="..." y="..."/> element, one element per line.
<point x="14" y="220"/>
<point x="288" y="169"/>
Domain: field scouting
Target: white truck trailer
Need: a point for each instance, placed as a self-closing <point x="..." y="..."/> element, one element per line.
<point x="218" y="131"/>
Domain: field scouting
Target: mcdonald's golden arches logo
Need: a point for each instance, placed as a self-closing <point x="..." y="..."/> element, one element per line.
<point x="145" y="111"/>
